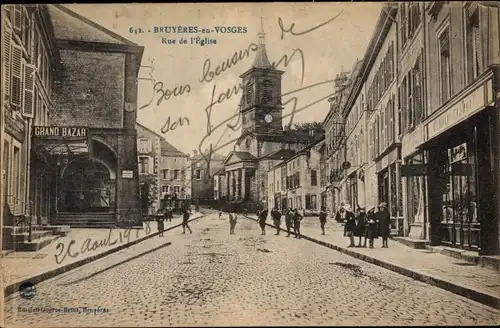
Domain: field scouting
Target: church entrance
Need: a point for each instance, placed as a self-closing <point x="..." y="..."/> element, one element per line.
<point x="86" y="186"/>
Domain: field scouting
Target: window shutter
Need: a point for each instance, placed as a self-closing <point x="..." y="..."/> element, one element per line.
<point x="29" y="90"/>
<point x="17" y="17"/>
<point x="393" y="126"/>
<point x="150" y="145"/>
<point x="16" y="71"/>
<point x="7" y="37"/>
<point x="308" y="201"/>
<point x="151" y="165"/>
<point x="33" y="40"/>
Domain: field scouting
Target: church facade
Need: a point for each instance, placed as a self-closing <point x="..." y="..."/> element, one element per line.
<point x="263" y="142"/>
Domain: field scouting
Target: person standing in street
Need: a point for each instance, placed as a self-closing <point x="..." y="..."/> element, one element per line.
<point x="385" y="223"/>
<point x="262" y="221"/>
<point x="185" y="220"/>
<point x="161" y="223"/>
<point x="276" y="215"/>
<point x="322" y="219"/>
<point x="350" y="224"/>
<point x="371" y="231"/>
<point x="297" y="218"/>
<point x="288" y="221"/>
<point x="360" y="226"/>
<point x="232" y="222"/>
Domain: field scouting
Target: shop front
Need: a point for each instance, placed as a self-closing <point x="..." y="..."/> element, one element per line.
<point x="390" y="188"/>
<point x="462" y="145"/>
<point x="83" y="170"/>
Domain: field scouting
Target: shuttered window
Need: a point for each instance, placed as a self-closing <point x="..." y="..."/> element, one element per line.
<point x="267" y="92"/>
<point x="16" y="71"/>
<point x="17" y="18"/>
<point x="29" y="90"/>
<point x="249" y="94"/>
<point x="26" y="31"/>
<point x="7" y="60"/>
<point x="417" y="87"/>
<point x="392" y="126"/>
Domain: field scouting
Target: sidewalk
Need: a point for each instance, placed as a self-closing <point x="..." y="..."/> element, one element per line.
<point x="87" y="245"/>
<point x="457" y="276"/>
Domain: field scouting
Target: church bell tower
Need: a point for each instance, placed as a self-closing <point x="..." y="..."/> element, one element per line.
<point x="261" y="107"/>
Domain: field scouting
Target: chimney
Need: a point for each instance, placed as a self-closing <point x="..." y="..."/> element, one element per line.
<point x="195" y="152"/>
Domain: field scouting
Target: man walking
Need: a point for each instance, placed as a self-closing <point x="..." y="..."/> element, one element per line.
<point x="185" y="220"/>
<point x="288" y="220"/>
<point x="322" y="219"/>
<point x="232" y="222"/>
<point x="296" y="223"/>
<point x="276" y="215"/>
<point x="262" y="221"/>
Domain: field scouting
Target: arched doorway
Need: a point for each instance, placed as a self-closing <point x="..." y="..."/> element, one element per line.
<point x="86" y="186"/>
<point x="88" y="182"/>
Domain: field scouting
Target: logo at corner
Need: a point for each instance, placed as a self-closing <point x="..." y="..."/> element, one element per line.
<point x="27" y="290"/>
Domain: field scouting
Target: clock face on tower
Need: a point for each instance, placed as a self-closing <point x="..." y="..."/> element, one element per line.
<point x="268" y="118"/>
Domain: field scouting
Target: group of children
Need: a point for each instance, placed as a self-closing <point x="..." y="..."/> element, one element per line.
<point x="167" y="215"/>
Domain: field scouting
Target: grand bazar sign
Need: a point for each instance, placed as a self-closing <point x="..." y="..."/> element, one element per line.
<point x="59" y="131"/>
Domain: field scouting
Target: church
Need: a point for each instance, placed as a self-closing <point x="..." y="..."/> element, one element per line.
<point x="263" y="142"/>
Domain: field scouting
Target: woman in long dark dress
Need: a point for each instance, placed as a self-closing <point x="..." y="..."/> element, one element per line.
<point x="262" y="221"/>
<point x="161" y="224"/>
<point x="384" y="223"/>
<point x="350" y="224"/>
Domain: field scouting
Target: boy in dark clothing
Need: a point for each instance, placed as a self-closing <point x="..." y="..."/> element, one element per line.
<point x="276" y="215"/>
<point x="232" y="222"/>
<point x="262" y="221"/>
<point x="185" y="220"/>
<point x="296" y="223"/>
<point x="384" y="218"/>
<point x="322" y="219"/>
<point x="360" y="226"/>
<point x="288" y="220"/>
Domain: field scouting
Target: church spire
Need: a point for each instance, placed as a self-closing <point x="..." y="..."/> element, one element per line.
<point x="261" y="60"/>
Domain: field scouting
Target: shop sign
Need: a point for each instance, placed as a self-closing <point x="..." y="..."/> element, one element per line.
<point x="414" y="170"/>
<point x="411" y="141"/>
<point x="458" y="153"/>
<point x="127" y="174"/>
<point x="461" y="110"/>
<point x="59" y="132"/>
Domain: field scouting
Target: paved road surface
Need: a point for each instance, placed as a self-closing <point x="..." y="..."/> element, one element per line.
<point x="213" y="278"/>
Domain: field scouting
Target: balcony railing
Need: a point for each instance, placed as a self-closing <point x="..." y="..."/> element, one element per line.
<point x="336" y="175"/>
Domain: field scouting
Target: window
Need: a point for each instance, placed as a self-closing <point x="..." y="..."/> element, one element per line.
<point x="164" y="189"/>
<point x="16" y="162"/>
<point x="176" y="174"/>
<point x="143" y="145"/>
<point x="249" y="93"/>
<point x="16" y="71"/>
<point x="26" y="29"/>
<point x="164" y="174"/>
<point x="197" y="174"/>
<point x="17" y="21"/>
<point x="417" y="92"/>
<point x="403" y="26"/>
<point x="143" y="165"/>
<point x="267" y="92"/>
<point x="444" y="65"/>
<point x="314" y="178"/>
<point x="473" y="44"/>
<point x="177" y="189"/>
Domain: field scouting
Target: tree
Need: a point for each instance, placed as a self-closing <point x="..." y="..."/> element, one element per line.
<point x="308" y="126"/>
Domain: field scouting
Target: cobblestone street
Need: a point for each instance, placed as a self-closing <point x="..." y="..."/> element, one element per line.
<point x="213" y="278"/>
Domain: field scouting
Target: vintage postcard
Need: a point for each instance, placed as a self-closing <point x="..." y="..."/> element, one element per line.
<point x="250" y="164"/>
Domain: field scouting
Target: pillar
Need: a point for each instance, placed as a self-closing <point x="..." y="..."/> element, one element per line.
<point x="227" y="184"/>
<point x="238" y="183"/>
<point x="233" y="189"/>
<point x="243" y="184"/>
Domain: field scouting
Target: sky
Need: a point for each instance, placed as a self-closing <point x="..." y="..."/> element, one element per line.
<point x="326" y="51"/>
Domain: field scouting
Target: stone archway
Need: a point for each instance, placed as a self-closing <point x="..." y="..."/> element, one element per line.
<point x="88" y="183"/>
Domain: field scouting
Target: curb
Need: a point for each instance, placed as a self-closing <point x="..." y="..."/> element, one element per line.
<point x="12" y="288"/>
<point x="474" y="295"/>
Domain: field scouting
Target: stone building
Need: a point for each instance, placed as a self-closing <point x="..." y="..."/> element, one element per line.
<point x="164" y="168"/>
<point x="460" y="123"/>
<point x="73" y="83"/>
<point x="262" y="134"/>
<point x="204" y="167"/>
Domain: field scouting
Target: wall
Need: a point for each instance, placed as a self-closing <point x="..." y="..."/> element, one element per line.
<point x="89" y="89"/>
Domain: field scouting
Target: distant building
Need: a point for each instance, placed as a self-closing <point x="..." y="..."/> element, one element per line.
<point x="294" y="182"/>
<point x="203" y="170"/>
<point x="163" y="167"/>
<point x="261" y="111"/>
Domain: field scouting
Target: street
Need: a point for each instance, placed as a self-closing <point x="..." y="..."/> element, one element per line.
<point x="213" y="278"/>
